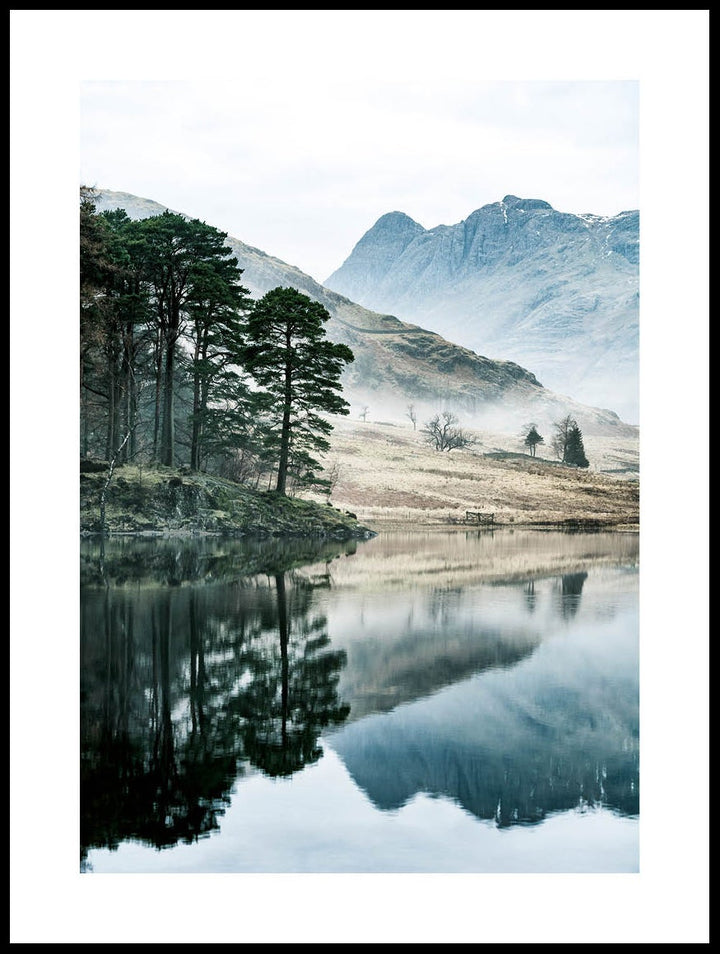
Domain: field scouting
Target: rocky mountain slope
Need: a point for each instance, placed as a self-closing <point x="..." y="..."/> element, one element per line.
<point x="397" y="363"/>
<point x="518" y="280"/>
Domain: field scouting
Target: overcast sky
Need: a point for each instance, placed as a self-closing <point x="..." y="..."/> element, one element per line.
<point x="301" y="166"/>
<point x="294" y="131"/>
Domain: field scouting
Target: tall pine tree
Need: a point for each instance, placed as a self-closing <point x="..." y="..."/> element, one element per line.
<point x="184" y="259"/>
<point x="298" y="374"/>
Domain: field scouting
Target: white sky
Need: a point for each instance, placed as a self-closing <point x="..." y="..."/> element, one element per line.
<point x="317" y="124"/>
<point x="302" y="167"/>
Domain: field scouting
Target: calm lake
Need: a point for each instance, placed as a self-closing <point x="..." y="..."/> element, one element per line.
<point x="461" y="701"/>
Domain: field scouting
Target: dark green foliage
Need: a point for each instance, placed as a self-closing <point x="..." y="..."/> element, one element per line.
<point x="161" y="311"/>
<point x="113" y="307"/>
<point x="184" y="687"/>
<point x="180" y="368"/>
<point x="568" y="443"/>
<point x="194" y="284"/>
<point x="575" y="451"/>
<point x="298" y="373"/>
<point x="532" y="439"/>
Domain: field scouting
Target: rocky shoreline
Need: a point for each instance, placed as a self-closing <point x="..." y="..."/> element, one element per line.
<point x="164" y="501"/>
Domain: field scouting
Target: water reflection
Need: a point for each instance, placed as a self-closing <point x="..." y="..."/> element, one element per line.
<point x="520" y="702"/>
<point x="173" y="561"/>
<point x="530" y="595"/>
<point x="557" y="731"/>
<point x="571" y="585"/>
<point x="498" y="674"/>
<point x="291" y="692"/>
<point x="185" y="688"/>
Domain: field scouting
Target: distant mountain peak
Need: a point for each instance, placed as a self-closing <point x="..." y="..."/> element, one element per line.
<point x="397" y="219"/>
<point x="512" y="201"/>
<point x="549" y="290"/>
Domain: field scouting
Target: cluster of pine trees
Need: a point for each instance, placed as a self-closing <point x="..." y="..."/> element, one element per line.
<point x="567" y="442"/>
<point x="180" y="367"/>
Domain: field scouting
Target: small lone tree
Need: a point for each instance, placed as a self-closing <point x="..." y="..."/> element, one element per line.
<point x="411" y="413"/>
<point x="532" y="439"/>
<point x="444" y="433"/>
<point x="364" y="412"/>
<point x="568" y="443"/>
<point x="332" y="475"/>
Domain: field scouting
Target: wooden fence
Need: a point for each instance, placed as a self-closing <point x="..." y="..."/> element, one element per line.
<point x="476" y="516"/>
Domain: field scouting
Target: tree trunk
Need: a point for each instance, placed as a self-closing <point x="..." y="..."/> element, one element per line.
<point x="103" y="492"/>
<point x="195" y="433"/>
<point x="111" y="418"/>
<point x="132" y="415"/>
<point x="128" y="389"/>
<point x="200" y="391"/>
<point x="284" y="635"/>
<point x="285" y="433"/>
<point x="158" y="391"/>
<point x="167" y="443"/>
<point x="84" y="412"/>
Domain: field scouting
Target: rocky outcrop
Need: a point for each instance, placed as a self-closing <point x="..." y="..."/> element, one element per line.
<point x="142" y="500"/>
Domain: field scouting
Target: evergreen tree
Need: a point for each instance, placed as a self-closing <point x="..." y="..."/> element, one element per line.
<point x="215" y="331"/>
<point x="532" y="439"/>
<point x="568" y="443"/>
<point x="297" y="371"/>
<point x="183" y="260"/>
<point x="575" y="451"/>
<point x="112" y="308"/>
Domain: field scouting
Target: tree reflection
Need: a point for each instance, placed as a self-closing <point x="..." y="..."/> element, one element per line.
<point x="293" y="692"/>
<point x="181" y="687"/>
<point x="571" y="586"/>
<point x="530" y="595"/>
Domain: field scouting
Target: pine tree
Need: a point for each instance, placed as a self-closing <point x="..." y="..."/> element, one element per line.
<point x="533" y="439"/>
<point x="183" y="259"/>
<point x="574" y="450"/>
<point x="298" y="373"/>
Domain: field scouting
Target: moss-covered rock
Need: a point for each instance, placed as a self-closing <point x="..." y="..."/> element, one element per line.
<point x="161" y="500"/>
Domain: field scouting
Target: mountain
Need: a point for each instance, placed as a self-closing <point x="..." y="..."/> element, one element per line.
<point x="555" y="292"/>
<point x="397" y="363"/>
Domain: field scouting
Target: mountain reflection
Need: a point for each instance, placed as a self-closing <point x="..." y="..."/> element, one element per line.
<point x="555" y="728"/>
<point x="504" y="680"/>
<point x="184" y="688"/>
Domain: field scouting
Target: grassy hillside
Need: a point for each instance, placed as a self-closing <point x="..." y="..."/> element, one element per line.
<point x="388" y="475"/>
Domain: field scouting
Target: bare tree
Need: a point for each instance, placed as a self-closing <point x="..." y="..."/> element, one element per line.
<point x="363" y="413"/>
<point x="411" y="413"/>
<point x="444" y="433"/>
<point x="560" y="439"/>
<point x="332" y="472"/>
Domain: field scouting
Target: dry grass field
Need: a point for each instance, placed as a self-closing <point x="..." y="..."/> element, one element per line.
<point x="389" y="476"/>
